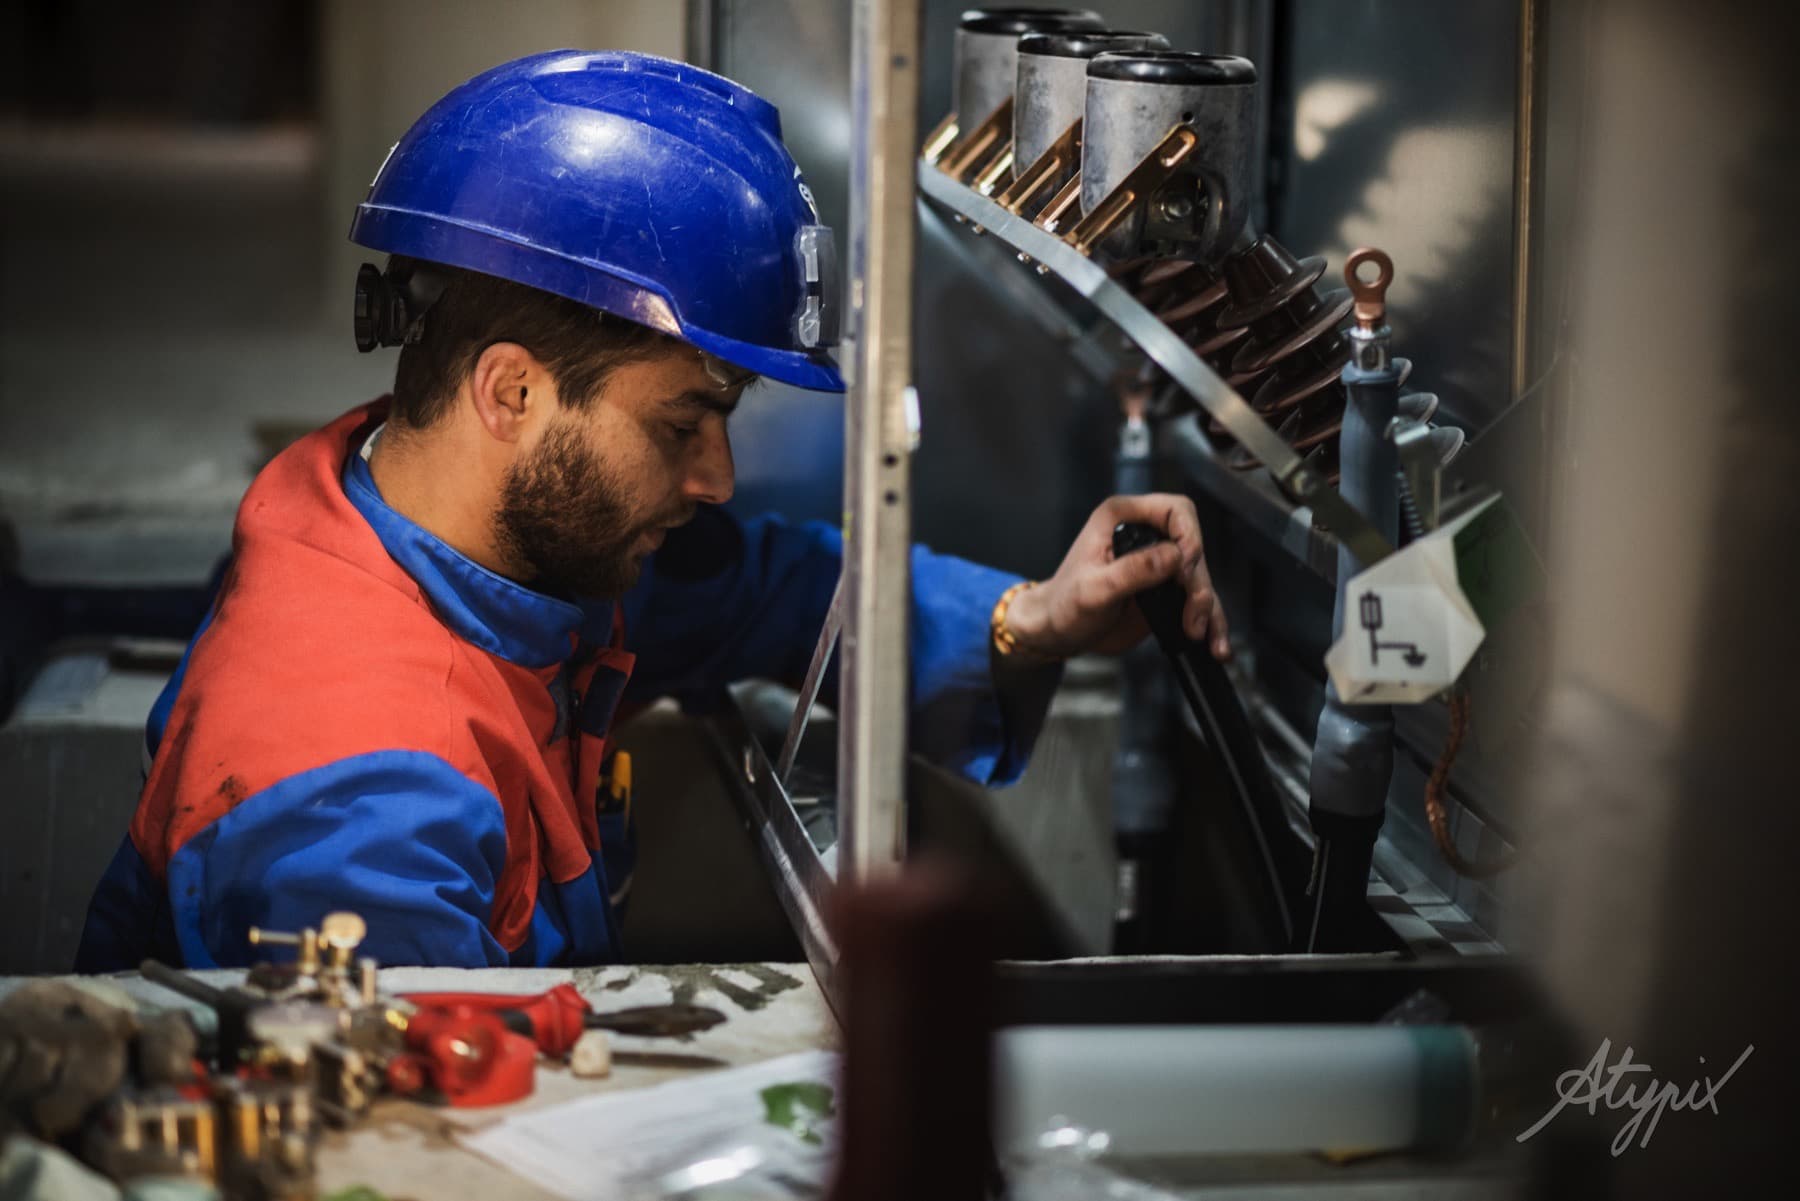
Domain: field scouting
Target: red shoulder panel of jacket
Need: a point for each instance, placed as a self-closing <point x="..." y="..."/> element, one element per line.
<point x="320" y="648"/>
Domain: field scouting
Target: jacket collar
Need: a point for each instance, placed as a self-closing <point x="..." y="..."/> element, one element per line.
<point x="498" y="615"/>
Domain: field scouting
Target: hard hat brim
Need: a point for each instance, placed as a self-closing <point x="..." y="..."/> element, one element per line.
<point x="438" y="239"/>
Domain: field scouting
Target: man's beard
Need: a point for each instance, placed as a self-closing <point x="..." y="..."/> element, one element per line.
<point x="567" y="522"/>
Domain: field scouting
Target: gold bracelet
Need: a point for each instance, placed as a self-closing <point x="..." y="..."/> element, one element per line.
<point x="1005" y="641"/>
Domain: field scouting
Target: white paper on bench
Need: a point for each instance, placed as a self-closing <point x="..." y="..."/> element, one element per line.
<point x="585" y="1150"/>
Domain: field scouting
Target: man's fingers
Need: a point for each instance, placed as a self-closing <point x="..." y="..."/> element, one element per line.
<point x="1174" y="515"/>
<point x="1196" y="614"/>
<point x="1130" y="575"/>
<point x="1202" y="601"/>
<point x="1203" y="618"/>
<point x="1221" y="634"/>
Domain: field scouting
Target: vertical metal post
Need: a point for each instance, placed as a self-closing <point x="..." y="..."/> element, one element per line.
<point x="1527" y="191"/>
<point x="700" y="35"/>
<point x="884" y="90"/>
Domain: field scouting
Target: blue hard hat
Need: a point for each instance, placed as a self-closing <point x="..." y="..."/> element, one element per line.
<point x="644" y="187"/>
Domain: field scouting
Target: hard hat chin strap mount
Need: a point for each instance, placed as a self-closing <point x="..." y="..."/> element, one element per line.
<point x="391" y="305"/>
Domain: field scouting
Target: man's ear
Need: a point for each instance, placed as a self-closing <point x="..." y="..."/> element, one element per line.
<point x="511" y="390"/>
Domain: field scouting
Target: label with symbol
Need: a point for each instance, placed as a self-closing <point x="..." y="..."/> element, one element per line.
<point x="1409" y="629"/>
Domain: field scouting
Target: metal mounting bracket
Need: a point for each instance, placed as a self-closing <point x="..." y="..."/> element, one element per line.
<point x="1090" y="280"/>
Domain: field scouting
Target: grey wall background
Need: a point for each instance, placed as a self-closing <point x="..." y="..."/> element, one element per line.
<point x="175" y="286"/>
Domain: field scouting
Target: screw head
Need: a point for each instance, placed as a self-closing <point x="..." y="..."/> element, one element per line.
<point x="342" y="930"/>
<point x="1176" y="207"/>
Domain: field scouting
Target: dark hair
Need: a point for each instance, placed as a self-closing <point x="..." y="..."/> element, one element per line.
<point x="579" y="345"/>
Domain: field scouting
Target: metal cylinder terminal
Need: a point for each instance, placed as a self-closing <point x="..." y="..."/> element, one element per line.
<point x="1370" y="336"/>
<point x="1134" y="101"/>
<point x="986" y="59"/>
<point x="1051" y="93"/>
<point x="368" y="979"/>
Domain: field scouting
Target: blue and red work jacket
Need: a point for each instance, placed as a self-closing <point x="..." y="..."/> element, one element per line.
<point x="369" y="720"/>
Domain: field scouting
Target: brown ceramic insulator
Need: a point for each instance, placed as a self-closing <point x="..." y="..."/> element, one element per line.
<point x="1327" y="463"/>
<point x="1321" y="456"/>
<point x="1195" y="319"/>
<point x="1264" y="276"/>
<point x="1306" y="429"/>
<point x="1293" y="330"/>
<point x="1161" y="271"/>
<point x="1274" y="395"/>
<point x="1155" y="282"/>
<point x="1216" y="346"/>
<point x="1260" y="323"/>
<point x="1160" y="285"/>
<point x="1318" y="368"/>
<point x="1188" y="298"/>
<point x="1188" y="303"/>
<point x="1289" y="358"/>
<point x="1296" y="326"/>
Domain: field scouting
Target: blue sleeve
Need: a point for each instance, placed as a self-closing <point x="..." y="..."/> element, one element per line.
<point x="724" y="601"/>
<point x="969" y="712"/>
<point x="400" y="837"/>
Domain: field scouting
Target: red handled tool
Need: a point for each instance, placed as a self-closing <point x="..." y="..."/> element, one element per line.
<point x="467" y="1054"/>
<point x="555" y="1019"/>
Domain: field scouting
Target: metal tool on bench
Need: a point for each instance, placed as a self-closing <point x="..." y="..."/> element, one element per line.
<point x="556" y="1018"/>
<point x="1229" y="736"/>
<point x="316" y="1023"/>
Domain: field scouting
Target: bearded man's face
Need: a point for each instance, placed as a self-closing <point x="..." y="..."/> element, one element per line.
<point x="584" y="507"/>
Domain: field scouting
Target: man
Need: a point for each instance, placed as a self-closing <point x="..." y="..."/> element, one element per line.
<point x="401" y="699"/>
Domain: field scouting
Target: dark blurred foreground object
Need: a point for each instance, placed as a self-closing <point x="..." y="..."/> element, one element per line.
<point x="1663" y="785"/>
<point x="917" y="1005"/>
<point x="63" y="1051"/>
<point x="212" y="62"/>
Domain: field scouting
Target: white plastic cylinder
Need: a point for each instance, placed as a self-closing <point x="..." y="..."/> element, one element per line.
<point x="1185" y="1090"/>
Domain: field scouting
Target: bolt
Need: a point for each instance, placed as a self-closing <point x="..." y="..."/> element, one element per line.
<point x="1175" y="208"/>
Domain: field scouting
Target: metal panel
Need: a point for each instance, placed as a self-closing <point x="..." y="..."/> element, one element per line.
<point x="877" y="589"/>
<point x="788" y="443"/>
<point x="1394" y="128"/>
<point x="71" y="766"/>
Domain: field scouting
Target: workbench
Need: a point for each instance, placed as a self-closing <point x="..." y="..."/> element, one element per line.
<point x="409" y="1150"/>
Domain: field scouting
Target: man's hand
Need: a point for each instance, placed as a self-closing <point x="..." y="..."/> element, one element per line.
<point x="1086" y="606"/>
